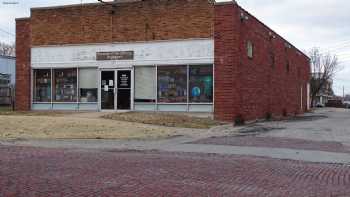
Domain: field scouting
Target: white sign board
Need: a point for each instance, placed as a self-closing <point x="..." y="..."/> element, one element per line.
<point x="193" y="51"/>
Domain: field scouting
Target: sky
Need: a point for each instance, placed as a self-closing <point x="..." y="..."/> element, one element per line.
<point x="305" y="23"/>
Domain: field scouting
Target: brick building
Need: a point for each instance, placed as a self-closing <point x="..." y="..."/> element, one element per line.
<point x="158" y="55"/>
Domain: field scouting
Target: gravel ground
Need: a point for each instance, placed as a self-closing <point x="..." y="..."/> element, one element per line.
<point x="327" y="124"/>
<point x="276" y="142"/>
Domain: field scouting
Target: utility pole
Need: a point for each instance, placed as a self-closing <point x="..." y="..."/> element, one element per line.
<point x="343" y="93"/>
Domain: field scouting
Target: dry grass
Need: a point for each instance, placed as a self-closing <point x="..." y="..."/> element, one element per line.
<point x="165" y="119"/>
<point x="5" y="112"/>
<point x="70" y="127"/>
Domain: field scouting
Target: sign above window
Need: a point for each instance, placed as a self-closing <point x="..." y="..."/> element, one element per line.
<point x="115" y="55"/>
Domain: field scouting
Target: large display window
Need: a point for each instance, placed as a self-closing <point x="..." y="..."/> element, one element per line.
<point x="65" y="85"/>
<point x="42" y="85"/>
<point x="88" y="85"/>
<point x="201" y="84"/>
<point x="145" y="84"/>
<point x="172" y="84"/>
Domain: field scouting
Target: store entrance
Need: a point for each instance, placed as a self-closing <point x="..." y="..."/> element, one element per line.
<point x="116" y="90"/>
<point x="123" y="89"/>
<point x="107" y="90"/>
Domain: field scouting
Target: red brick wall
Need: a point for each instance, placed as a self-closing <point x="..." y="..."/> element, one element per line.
<point x="139" y="21"/>
<point x="226" y="57"/>
<point x="259" y="86"/>
<point x="23" y="71"/>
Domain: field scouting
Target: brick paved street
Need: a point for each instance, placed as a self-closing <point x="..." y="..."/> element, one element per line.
<point x="72" y="172"/>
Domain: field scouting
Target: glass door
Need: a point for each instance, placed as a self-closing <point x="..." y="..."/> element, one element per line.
<point x="123" y="89"/>
<point x="107" y="90"/>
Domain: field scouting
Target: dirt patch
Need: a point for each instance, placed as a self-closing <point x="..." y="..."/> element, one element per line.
<point x="69" y="127"/>
<point x="165" y="119"/>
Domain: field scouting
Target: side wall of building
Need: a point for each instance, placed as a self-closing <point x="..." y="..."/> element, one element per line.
<point x="23" y="69"/>
<point x="272" y="82"/>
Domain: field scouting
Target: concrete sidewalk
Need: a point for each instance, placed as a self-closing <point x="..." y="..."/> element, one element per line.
<point x="182" y="144"/>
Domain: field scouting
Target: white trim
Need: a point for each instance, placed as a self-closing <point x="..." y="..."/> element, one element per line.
<point x="126" y="62"/>
<point x="213" y="88"/>
<point x="156" y="108"/>
<point x="195" y="51"/>
<point x="99" y="90"/>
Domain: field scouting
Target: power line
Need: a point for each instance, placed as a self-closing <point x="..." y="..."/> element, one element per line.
<point x="6" y="32"/>
<point x="334" y="50"/>
<point x="337" y="44"/>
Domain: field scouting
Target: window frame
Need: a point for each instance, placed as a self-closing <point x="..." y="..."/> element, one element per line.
<point x="78" y="85"/>
<point x="54" y="89"/>
<point x="250" y="49"/>
<point x="52" y="69"/>
<point x="33" y="85"/>
<point x="188" y="103"/>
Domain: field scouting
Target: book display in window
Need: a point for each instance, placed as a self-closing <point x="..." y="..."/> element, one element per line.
<point x="42" y="86"/>
<point x="172" y="84"/>
<point x="65" y="85"/>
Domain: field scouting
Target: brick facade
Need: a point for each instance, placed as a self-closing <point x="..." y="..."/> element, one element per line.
<point x="23" y="71"/>
<point x="138" y="21"/>
<point x="269" y="83"/>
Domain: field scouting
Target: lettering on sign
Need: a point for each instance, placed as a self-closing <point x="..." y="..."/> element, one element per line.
<point x="115" y="55"/>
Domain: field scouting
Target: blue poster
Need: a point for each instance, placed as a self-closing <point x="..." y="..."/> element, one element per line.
<point x="196" y="91"/>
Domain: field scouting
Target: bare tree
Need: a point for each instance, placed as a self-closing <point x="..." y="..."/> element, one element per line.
<point x="323" y="68"/>
<point x="7" y="49"/>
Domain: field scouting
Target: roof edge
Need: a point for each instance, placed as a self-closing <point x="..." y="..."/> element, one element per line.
<point x="65" y="6"/>
<point x="273" y="31"/>
<point x="22" y="18"/>
<point x="224" y="2"/>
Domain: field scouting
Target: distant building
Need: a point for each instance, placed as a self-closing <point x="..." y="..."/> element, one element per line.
<point x="7" y="78"/>
<point x="325" y="94"/>
<point x="7" y="70"/>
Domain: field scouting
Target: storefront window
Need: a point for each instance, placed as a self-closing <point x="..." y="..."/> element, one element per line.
<point x="201" y="84"/>
<point x="145" y="84"/>
<point x="88" y="84"/>
<point x="65" y="85"/>
<point x="42" y="85"/>
<point x="172" y="84"/>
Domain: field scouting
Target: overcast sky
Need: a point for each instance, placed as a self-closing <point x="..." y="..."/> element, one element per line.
<point x="305" y="23"/>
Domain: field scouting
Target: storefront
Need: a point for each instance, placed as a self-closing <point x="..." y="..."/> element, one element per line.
<point x="156" y="55"/>
<point x="147" y="76"/>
